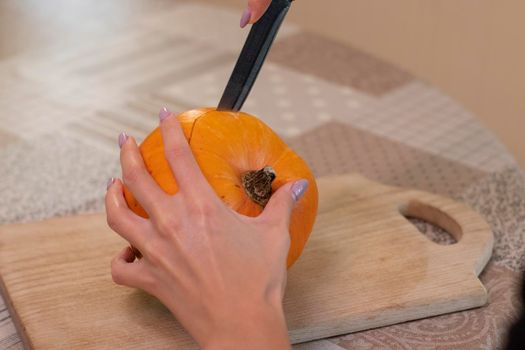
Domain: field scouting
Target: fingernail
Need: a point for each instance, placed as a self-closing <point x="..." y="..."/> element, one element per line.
<point x="111" y="180"/>
<point x="245" y="18"/>
<point x="164" y="113"/>
<point x="122" y="137"/>
<point x="298" y="189"/>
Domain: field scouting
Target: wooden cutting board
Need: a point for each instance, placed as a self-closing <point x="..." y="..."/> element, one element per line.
<point x="365" y="266"/>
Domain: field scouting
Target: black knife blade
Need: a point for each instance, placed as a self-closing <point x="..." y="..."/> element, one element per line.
<point x="252" y="56"/>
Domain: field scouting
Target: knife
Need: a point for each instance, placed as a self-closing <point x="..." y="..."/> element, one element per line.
<point x="252" y="56"/>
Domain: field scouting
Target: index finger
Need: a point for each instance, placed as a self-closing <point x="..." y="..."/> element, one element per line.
<point x="179" y="155"/>
<point x="138" y="180"/>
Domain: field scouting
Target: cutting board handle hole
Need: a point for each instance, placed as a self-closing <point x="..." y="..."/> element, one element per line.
<point x="434" y="224"/>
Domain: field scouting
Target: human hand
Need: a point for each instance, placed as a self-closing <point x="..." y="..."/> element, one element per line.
<point x="220" y="273"/>
<point x="254" y="11"/>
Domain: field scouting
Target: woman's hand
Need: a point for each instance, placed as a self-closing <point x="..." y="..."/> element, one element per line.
<point x="254" y="11"/>
<point x="220" y="273"/>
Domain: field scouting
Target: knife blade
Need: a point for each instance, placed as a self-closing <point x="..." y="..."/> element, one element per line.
<point x="252" y="56"/>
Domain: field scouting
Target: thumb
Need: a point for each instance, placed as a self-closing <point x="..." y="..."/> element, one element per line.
<point x="280" y="206"/>
<point x="258" y="8"/>
<point x="254" y="11"/>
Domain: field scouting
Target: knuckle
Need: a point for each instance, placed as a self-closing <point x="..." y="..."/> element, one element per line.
<point x="131" y="173"/>
<point x="166" y="224"/>
<point x="207" y="209"/>
<point x="177" y="150"/>
<point x="200" y="223"/>
<point x="203" y="215"/>
<point x="112" y="221"/>
<point x="279" y="229"/>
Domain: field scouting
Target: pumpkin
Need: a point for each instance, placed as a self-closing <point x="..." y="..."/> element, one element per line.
<point x="243" y="160"/>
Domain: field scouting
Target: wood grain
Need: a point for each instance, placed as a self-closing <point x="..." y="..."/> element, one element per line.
<point x="365" y="266"/>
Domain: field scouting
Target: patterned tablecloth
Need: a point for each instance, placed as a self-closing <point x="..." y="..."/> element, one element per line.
<point x="343" y="110"/>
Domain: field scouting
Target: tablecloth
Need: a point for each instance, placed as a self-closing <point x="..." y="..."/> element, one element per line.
<point x="343" y="110"/>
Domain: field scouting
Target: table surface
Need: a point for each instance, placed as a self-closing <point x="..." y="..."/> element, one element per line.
<point x="61" y="108"/>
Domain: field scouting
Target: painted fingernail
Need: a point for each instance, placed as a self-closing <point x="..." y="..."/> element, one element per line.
<point x="111" y="181"/>
<point x="122" y="137"/>
<point x="164" y="113"/>
<point x="245" y="18"/>
<point x="298" y="189"/>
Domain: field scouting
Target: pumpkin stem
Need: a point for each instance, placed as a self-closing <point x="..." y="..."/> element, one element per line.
<point x="258" y="184"/>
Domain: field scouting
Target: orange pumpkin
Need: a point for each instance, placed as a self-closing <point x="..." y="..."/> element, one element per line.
<point x="233" y="149"/>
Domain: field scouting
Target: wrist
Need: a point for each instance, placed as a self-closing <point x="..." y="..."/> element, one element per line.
<point x="253" y="326"/>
